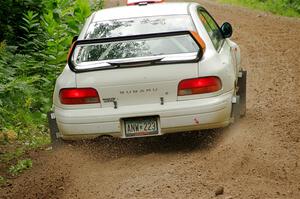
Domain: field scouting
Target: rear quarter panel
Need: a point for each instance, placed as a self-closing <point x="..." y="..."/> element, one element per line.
<point x="215" y="63"/>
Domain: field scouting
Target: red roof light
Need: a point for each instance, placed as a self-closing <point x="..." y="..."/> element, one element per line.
<point x="136" y="2"/>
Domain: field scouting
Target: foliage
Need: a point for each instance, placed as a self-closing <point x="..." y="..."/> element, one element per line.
<point x="20" y="166"/>
<point x="2" y="181"/>
<point x="34" y="40"/>
<point x="33" y="53"/>
<point x="11" y="13"/>
<point x="282" y="7"/>
<point x="31" y="40"/>
<point x="61" y="25"/>
<point x="7" y="157"/>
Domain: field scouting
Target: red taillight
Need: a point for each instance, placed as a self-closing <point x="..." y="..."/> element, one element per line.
<point x="79" y="96"/>
<point x="136" y="2"/>
<point x="199" y="86"/>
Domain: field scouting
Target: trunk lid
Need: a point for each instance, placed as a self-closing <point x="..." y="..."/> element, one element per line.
<point x="137" y="85"/>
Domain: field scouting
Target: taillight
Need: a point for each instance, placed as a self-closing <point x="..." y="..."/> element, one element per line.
<point x="79" y="96"/>
<point x="199" y="86"/>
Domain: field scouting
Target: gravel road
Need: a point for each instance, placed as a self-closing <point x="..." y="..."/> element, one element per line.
<point x="258" y="157"/>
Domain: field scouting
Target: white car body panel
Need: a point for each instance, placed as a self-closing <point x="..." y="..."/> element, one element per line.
<point x="174" y="117"/>
<point x="138" y="91"/>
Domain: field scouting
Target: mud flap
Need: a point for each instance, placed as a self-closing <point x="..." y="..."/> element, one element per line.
<point x="242" y="85"/>
<point x="54" y="132"/>
<point x="239" y="101"/>
<point x="235" y="112"/>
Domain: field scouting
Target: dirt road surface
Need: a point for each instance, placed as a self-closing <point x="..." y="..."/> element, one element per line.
<point x="258" y="157"/>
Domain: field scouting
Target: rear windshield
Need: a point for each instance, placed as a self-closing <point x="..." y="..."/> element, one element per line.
<point x="161" y="46"/>
<point x="139" y="26"/>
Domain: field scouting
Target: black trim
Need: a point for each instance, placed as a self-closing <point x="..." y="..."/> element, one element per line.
<point x="128" y="38"/>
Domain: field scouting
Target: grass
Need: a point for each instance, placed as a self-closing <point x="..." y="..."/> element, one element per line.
<point x="20" y="167"/>
<point x="14" y="158"/>
<point x="290" y="8"/>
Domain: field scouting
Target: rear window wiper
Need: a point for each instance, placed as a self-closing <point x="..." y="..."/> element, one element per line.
<point x="135" y="62"/>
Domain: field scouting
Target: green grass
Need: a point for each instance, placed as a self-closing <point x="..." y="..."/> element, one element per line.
<point x="290" y="8"/>
<point x="20" y="167"/>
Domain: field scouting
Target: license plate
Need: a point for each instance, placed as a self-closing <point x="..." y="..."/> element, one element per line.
<point x="141" y="126"/>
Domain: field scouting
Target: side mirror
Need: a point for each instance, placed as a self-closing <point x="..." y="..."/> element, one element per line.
<point x="226" y="29"/>
<point x="74" y="39"/>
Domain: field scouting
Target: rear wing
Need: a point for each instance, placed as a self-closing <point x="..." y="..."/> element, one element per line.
<point x="194" y="35"/>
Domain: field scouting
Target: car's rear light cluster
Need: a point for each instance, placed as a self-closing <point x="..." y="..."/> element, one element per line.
<point x="199" y="86"/>
<point x="79" y="96"/>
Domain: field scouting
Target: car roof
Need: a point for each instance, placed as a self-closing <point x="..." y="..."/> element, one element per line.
<point x="155" y="9"/>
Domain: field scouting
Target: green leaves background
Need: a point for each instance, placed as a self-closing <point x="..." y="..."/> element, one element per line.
<point x="34" y="41"/>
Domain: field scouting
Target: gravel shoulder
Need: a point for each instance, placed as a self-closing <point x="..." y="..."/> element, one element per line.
<point x="258" y="157"/>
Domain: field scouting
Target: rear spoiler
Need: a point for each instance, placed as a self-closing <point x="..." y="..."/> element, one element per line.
<point x="193" y="34"/>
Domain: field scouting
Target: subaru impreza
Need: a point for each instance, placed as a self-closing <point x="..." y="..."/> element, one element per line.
<point x="148" y="69"/>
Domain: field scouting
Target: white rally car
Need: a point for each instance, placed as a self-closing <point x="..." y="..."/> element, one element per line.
<point x="148" y="69"/>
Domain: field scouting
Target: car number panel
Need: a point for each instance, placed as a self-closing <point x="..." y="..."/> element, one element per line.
<point x="141" y="126"/>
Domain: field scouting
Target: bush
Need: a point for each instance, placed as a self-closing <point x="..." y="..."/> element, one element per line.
<point x="31" y="61"/>
<point x="11" y="13"/>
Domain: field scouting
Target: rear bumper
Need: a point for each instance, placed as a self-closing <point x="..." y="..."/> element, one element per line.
<point x="177" y="116"/>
